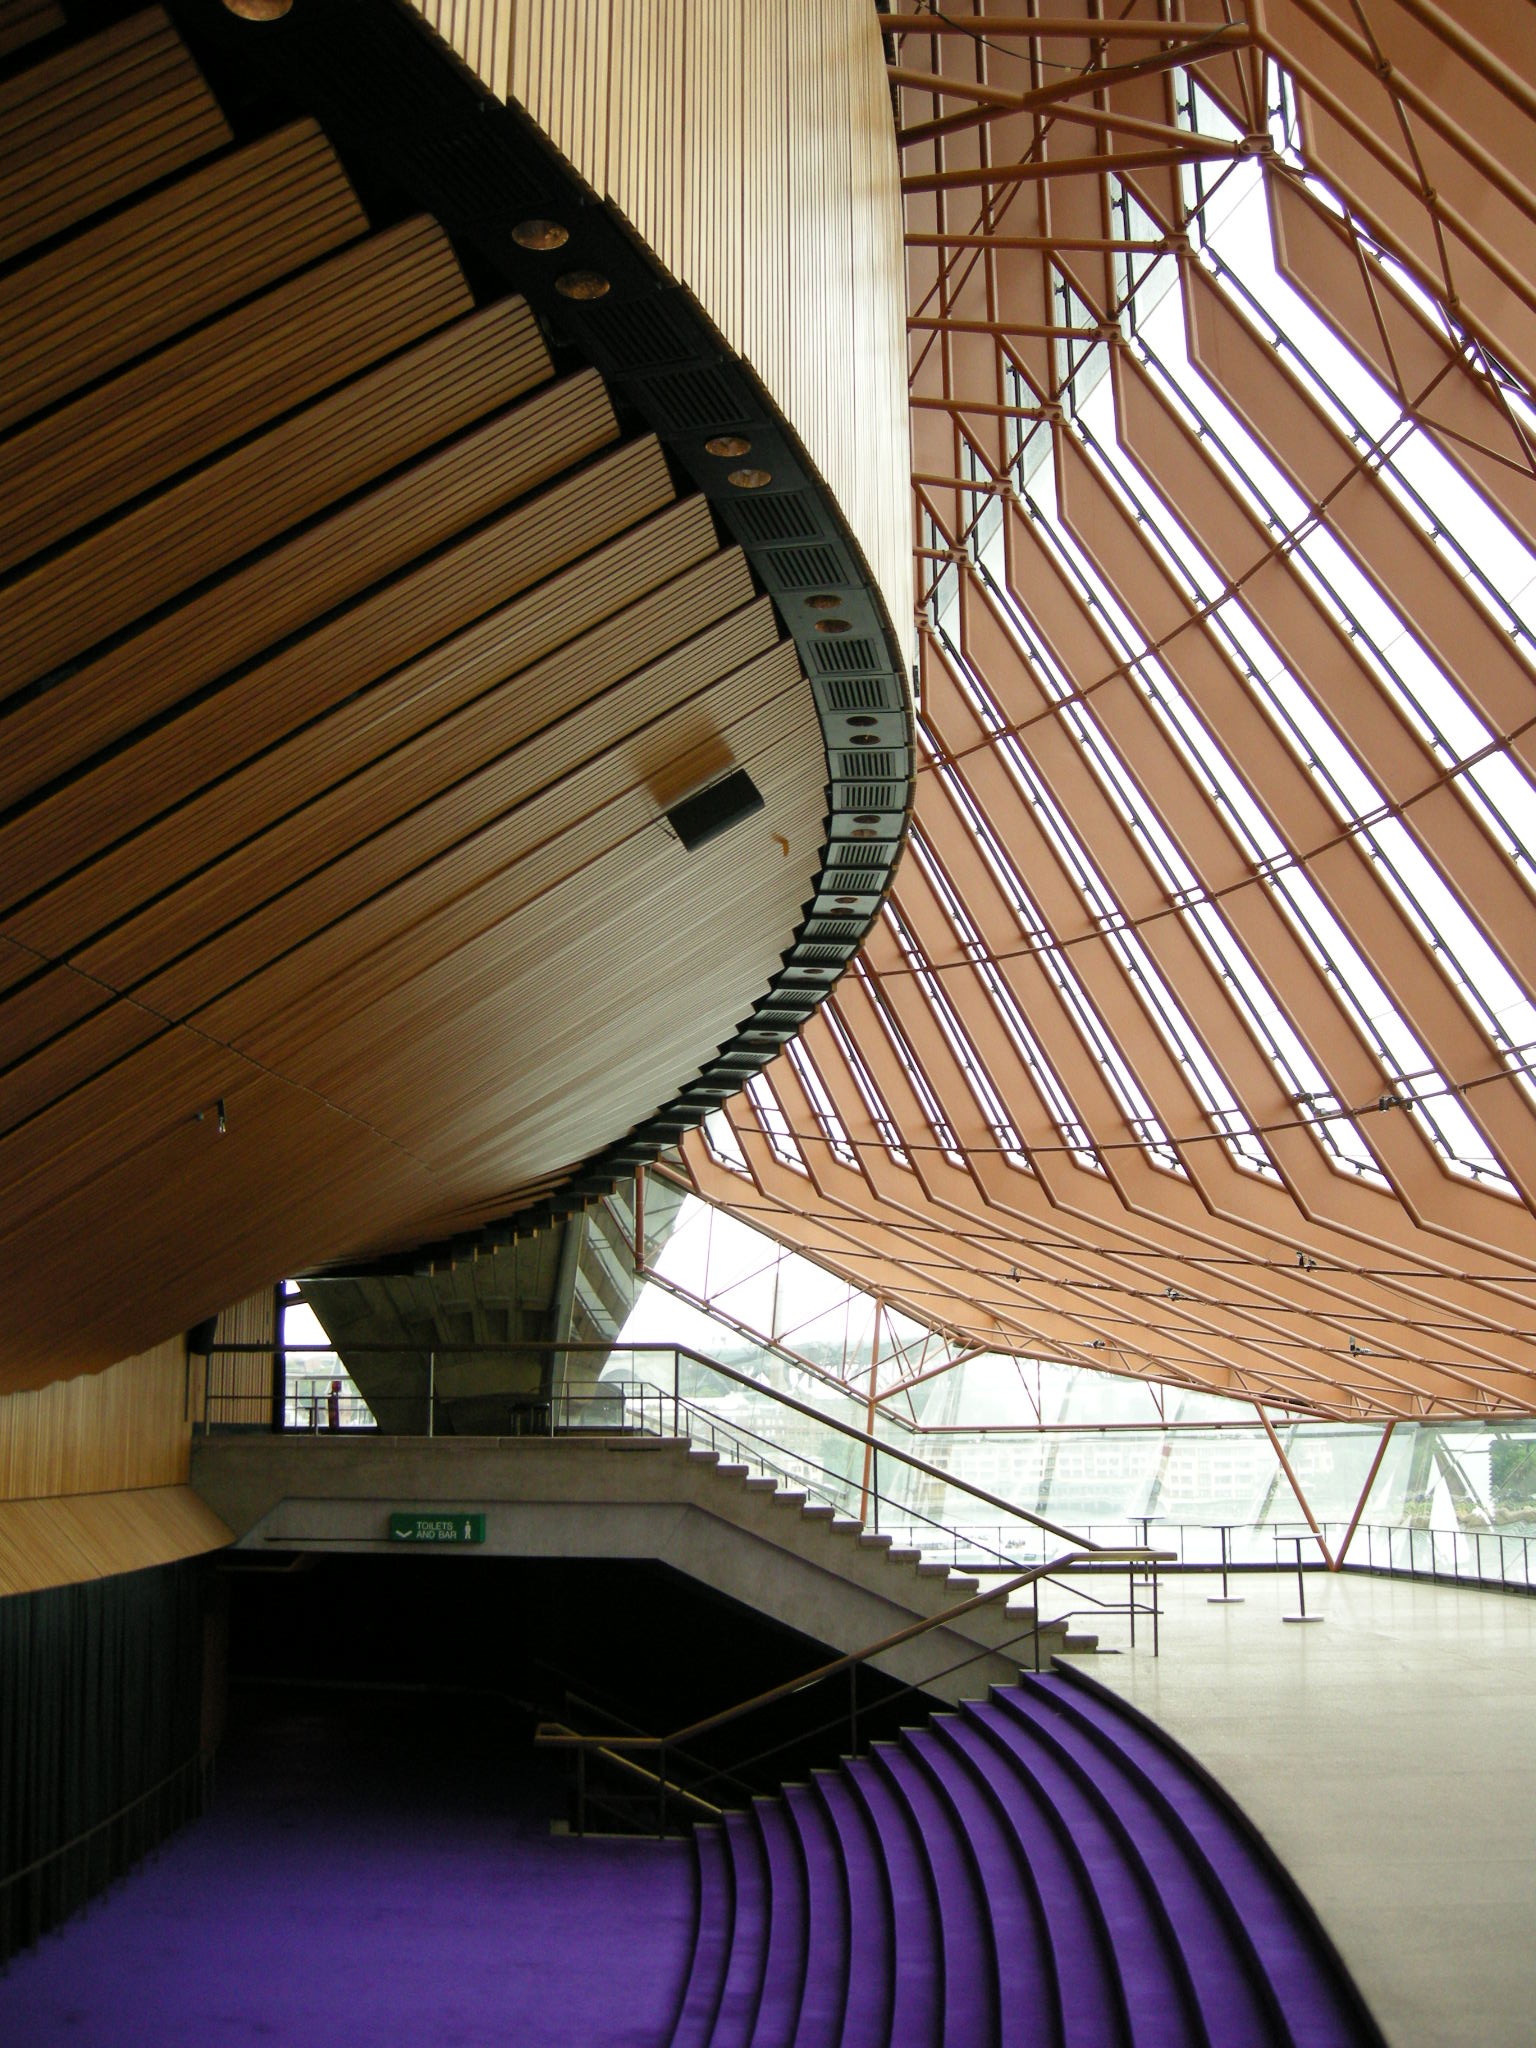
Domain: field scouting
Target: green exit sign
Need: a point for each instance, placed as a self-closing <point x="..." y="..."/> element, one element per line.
<point x="414" y="1528"/>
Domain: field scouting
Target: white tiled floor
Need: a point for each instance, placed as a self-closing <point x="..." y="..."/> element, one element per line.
<point x="1389" y="1754"/>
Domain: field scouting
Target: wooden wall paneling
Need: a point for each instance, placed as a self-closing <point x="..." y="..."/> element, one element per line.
<point x="92" y="1536"/>
<point x="528" y="804"/>
<point x="237" y="502"/>
<point x="335" y="559"/>
<point x="356" y="772"/>
<point x="26" y="21"/>
<point x="562" y="1098"/>
<point x="176" y="406"/>
<point x="557" y="1078"/>
<point x="487" y="731"/>
<point x="293" y="1180"/>
<point x="398" y="1012"/>
<point x="239" y="1384"/>
<point x="338" y="889"/>
<point x="99" y="121"/>
<point x="661" y="76"/>
<point x="129" y="1426"/>
<point x="230" y="227"/>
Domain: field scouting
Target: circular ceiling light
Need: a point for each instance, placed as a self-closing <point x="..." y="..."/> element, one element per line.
<point x="540" y="234"/>
<point x="728" y="445"/>
<point x="750" y="479"/>
<point x="582" y="284"/>
<point x="259" y="10"/>
<point x="832" y="625"/>
<point x="824" y="601"/>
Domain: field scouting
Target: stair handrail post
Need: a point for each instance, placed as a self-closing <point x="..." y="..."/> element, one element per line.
<point x="676" y="1377"/>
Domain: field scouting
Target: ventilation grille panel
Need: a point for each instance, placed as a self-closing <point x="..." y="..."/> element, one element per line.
<point x="790" y="515"/>
<point x="834" y="657"/>
<point x="808" y="568"/>
<point x="692" y="399"/>
<point x="857" y="693"/>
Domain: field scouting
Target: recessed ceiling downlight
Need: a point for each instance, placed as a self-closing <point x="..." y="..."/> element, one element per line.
<point x="540" y="234"/>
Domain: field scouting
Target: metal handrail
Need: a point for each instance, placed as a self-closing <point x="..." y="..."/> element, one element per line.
<point x="679" y="1352"/>
<point x="790" y="1465"/>
<point x="554" y="1735"/>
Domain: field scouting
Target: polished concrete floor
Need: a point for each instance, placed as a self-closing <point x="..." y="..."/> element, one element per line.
<point x="1389" y="1755"/>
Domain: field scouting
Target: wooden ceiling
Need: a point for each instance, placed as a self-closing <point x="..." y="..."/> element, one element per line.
<point x="354" y="648"/>
<point x="1194" y="1042"/>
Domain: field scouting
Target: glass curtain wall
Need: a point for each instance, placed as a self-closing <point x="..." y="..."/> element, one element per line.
<point x="1101" y="1455"/>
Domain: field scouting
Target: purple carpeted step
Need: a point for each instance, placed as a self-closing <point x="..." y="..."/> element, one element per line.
<point x="1028" y="2007"/>
<point x="1081" y="1972"/>
<point x="749" y="1937"/>
<point x="1233" y="1995"/>
<point x="1159" y="2000"/>
<point x="917" y="2002"/>
<point x="969" y="1959"/>
<point x="871" y="1935"/>
<point x="1320" y="2006"/>
<point x="716" y="1913"/>
<point x="825" y="1992"/>
<point x="778" y="2010"/>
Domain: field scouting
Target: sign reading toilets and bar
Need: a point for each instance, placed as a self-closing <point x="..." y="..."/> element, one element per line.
<point x="407" y="1526"/>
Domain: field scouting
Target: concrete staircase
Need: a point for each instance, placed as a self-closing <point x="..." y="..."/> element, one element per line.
<point x="743" y="1533"/>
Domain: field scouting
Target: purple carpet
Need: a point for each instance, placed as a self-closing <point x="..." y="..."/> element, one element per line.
<point x="1042" y="1869"/>
<point x="374" y="1904"/>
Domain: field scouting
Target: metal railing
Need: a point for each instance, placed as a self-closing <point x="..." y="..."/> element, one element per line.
<point x="653" y="1406"/>
<point x="666" y="1788"/>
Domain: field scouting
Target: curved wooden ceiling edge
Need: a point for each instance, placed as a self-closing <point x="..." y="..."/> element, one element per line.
<point x="166" y="921"/>
<point x="600" y="290"/>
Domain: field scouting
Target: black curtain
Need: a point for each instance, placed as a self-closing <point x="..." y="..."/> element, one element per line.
<point x="101" y="1691"/>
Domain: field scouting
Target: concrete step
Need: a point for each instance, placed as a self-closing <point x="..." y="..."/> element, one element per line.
<point x="758" y="1482"/>
<point x="791" y="1497"/>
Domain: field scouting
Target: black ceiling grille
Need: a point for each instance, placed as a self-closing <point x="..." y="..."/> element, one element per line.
<point x="788" y="515"/>
<point x="645" y="331"/>
<point x="871" y="796"/>
<point x="835" y="657"/>
<point x="875" y="761"/>
<point x="822" y="956"/>
<point x="697" y="398"/>
<point x="858" y="693"/>
<point x="808" y="568"/>
<point x="854" y="853"/>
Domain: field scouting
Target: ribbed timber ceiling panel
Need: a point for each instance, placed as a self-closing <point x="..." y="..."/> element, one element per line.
<point x="354" y="649"/>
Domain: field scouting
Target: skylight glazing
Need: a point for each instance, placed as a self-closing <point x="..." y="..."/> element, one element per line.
<point x="1224" y="466"/>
